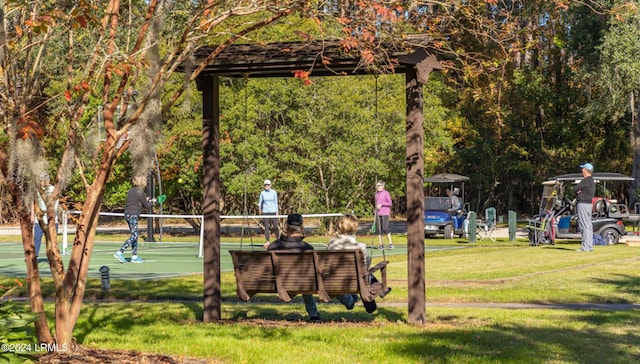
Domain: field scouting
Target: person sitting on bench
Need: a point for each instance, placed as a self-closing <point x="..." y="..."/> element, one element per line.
<point x="346" y="240"/>
<point x="292" y="239"/>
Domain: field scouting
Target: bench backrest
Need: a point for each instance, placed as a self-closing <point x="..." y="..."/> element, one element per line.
<point x="342" y="270"/>
<point x="323" y="272"/>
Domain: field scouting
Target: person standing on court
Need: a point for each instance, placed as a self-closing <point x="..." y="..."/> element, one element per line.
<point x="382" y="211"/>
<point x="47" y="188"/>
<point x="585" y="192"/>
<point x="268" y="205"/>
<point x="137" y="199"/>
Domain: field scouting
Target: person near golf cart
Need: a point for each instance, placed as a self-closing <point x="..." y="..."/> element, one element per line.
<point x="455" y="200"/>
<point x="585" y="192"/>
<point x="383" y="205"/>
<point x="558" y="216"/>
<point x="137" y="199"/>
<point x="445" y="214"/>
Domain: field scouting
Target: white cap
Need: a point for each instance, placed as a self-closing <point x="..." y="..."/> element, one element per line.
<point x="267" y="182"/>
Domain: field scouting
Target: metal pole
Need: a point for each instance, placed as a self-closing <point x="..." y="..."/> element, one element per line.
<point x="473" y="228"/>
<point x="157" y="163"/>
<point x="512" y="225"/>
<point x="152" y="192"/>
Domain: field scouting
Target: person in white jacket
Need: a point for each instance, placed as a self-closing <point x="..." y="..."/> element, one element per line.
<point x="346" y="240"/>
<point x="47" y="188"/>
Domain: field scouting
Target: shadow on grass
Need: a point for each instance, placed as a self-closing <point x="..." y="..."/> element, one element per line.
<point x="558" y="247"/>
<point x="505" y="343"/>
<point x="629" y="284"/>
<point x="580" y="337"/>
<point x="121" y="320"/>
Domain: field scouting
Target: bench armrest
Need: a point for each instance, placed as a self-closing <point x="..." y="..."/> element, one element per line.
<point x="378" y="267"/>
<point x="376" y="289"/>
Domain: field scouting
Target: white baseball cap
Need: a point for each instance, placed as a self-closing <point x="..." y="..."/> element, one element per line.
<point x="267" y="182"/>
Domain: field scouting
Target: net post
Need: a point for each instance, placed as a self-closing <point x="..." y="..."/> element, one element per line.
<point x="200" y="249"/>
<point x="65" y="232"/>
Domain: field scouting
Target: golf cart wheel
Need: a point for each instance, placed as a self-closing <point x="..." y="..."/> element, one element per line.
<point x="448" y="232"/>
<point x="610" y="235"/>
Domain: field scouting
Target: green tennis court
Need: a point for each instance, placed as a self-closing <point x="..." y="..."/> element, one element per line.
<point x="161" y="259"/>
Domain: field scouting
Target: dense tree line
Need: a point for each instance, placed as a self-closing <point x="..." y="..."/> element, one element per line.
<point x="507" y="119"/>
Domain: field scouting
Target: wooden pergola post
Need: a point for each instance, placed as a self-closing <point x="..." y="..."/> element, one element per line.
<point x="210" y="88"/>
<point x="415" y="200"/>
<point x="415" y="77"/>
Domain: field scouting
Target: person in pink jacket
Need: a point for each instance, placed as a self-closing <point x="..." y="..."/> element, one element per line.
<point x="382" y="211"/>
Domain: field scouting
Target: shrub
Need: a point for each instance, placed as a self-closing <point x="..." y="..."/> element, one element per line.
<point x="16" y="336"/>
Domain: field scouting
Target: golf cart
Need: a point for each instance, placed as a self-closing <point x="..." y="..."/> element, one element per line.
<point x="557" y="217"/>
<point x="439" y="214"/>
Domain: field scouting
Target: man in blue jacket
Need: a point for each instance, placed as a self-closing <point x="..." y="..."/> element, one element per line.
<point x="268" y="205"/>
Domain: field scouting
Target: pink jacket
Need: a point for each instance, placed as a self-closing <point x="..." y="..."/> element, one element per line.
<point x="383" y="198"/>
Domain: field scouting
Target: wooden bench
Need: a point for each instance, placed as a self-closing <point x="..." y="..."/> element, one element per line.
<point x="327" y="273"/>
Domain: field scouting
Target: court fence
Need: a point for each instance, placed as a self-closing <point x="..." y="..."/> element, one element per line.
<point x="160" y="217"/>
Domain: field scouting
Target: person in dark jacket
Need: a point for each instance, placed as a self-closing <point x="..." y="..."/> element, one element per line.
<point x="137" y="199"/>
<point x="585" y="192"/>
<point x="293" y="239"/>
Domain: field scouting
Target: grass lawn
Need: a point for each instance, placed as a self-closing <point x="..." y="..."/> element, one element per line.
<point x="165" y="316"/>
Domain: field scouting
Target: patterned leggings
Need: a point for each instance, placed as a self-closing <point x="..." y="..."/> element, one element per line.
<point x="132" y="220"/>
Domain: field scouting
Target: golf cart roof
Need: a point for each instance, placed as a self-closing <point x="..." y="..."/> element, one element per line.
<point x="446" y="178"/>
<point x="598" y="176"/>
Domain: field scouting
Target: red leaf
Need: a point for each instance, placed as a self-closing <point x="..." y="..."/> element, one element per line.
<point x="368" y="56"/>
<point x="344" y="20"/>
<point x="82" y="20"/>
<point x="27" y="128"/>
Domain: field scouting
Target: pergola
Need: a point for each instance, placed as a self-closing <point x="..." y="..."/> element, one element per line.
<point x="320" y="59"/>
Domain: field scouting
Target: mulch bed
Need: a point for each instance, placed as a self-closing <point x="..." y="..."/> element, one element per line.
<point x="82" y="355"/>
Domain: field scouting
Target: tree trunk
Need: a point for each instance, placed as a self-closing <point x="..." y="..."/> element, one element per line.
<point x="69" y="298"/>
<point x="635" y="145"/>
<point x="33" y="274"/>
